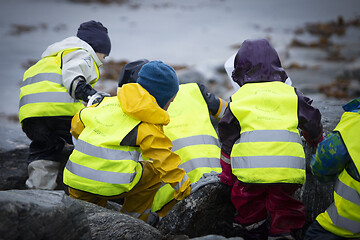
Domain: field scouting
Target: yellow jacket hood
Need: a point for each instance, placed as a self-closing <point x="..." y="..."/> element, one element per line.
<point x="136" y="102"/>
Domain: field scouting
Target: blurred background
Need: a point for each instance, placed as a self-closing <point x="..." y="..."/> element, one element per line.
<point x="318" y="41"/>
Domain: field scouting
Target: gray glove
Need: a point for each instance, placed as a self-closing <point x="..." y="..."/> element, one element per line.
<point x="206" y="178"/>
<point x="96" y="98"/>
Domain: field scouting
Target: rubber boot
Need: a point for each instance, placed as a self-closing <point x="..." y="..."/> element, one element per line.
<point x="42" y="175"/>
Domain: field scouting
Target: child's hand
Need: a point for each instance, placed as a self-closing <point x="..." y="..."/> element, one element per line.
<point x="226" y="175"/>
<point x="227" y="179"/>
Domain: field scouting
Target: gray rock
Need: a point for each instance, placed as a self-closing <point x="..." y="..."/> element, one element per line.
<point x="207" y="211"/>
<point x="106" y="224"/>
<point x="13" y="169"/>
<point x="39" y="214"/>
<point x="331" y="111"/>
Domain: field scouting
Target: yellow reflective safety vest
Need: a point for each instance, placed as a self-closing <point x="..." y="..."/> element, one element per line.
<point x="269" y="149"/>
<point x="98" y="164"/>
<point x="42" y="93"/>
<point x="194" y="139"/>
<point x="343" y="216"/>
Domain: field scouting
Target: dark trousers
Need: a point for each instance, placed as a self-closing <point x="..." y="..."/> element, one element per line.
<point x="48" y="136"/>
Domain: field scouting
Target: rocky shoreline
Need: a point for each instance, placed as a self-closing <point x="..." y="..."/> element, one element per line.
<point x="206" y="214"/>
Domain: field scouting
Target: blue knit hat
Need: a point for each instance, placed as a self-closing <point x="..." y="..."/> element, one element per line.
<point x="159" y="80"/>
<point x="96" y="35"/>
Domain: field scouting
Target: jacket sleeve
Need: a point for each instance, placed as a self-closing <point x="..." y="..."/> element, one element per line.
<point x="309" y="120"/>
<point x="77" y="65"/>
<point x="216" y="105"/>
<point x="229" y="131"/>
<point x="83" y="90"/>
<point x="77" y="125"/>
<point x="330" y="159"/>
<point x="156" y="146"/>
<point x="226" y="176"/>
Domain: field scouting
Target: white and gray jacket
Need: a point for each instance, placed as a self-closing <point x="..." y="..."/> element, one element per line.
<point x="77" y="66"/>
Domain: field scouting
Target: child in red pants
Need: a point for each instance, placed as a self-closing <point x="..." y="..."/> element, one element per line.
<point x="262" y="155"/>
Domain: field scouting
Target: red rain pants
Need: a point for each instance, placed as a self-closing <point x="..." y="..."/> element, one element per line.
<point x="254" y="201"/>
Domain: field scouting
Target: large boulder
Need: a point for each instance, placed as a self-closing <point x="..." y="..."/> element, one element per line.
<point x="206" y="211"/>
<point x="39" y="214"/>
<point x="107" y="224"/>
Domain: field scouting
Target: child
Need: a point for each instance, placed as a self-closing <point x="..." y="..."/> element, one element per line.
<point x="262" y="155"/>
<point x="338" y="159"/>
<point x="50" y="96"/>
<point x="191" y="132"/>
<point x="111" y="136"/>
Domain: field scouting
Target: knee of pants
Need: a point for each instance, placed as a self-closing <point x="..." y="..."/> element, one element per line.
<point x="88" y="197"/>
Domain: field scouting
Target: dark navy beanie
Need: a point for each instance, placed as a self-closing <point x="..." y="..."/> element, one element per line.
<point x="96" y="35"/>
<point x="130" y="72"/>
<point x="159" y="80"/>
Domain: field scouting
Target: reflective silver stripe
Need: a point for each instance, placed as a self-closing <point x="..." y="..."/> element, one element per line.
<point x="100" y="176"/>
<point x="53" y="97"/>
<point x="221" y="114"/>
<point x="51" y="77"/>
<point x="194" y="140"/>
<point x="105" y="153"/>
<point x="347" y="192"/>
<point x="225" y="159"/>
<point x="341" y="221"/>
<point x="177" y="187"/>
<point x="268" y="162"/>
<point x="269" y="136"/>
<point x="195" y="163"/>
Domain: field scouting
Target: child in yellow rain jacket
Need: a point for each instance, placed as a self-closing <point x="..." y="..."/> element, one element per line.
<point x="112" y="135"/>
<point x="196" y="142"/>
